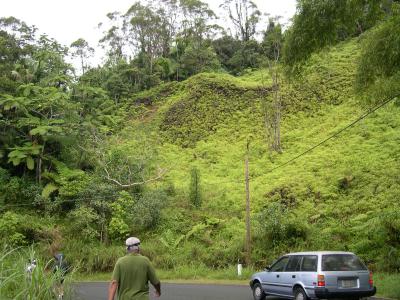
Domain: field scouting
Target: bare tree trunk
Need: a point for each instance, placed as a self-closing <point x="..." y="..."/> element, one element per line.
<point x="39" y="166"/>
<point x="277" y="115"/>
<point x="248" y="235"/>
<point x="276" y="106"/>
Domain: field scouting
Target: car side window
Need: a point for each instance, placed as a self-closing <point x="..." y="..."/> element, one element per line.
<point x="309" y="263"/>
<point x="294" y="263"/>
<point x="280" y="265"/>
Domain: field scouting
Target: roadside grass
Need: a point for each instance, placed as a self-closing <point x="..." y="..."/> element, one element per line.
<point x="388" y="285"/>
<point x="186" y="274"/>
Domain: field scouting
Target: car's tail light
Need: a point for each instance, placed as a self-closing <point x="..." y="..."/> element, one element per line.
<point x="371" y="279"/>
<point x="321" y="280"/>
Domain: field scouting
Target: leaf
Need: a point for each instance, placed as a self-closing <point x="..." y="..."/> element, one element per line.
<point x="30" y="163"/>
<point x="164" y="242"/>
<point x="16" y="154"/>
<point x="179" y="240"/>
<point x="40" y="130"/>
<point x="36" y="149"/>
<point x="49" y="189"/>
<point x="15" y="161"/>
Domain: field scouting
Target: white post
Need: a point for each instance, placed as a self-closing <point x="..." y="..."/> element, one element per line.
<point x="239" y="269"/>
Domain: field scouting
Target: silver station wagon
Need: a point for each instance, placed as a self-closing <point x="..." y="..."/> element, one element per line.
<point x="315" y="275"/>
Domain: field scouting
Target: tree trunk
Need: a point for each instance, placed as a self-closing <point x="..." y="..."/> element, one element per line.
<point x="248" y="235"/>
<point x="39" y="165"/>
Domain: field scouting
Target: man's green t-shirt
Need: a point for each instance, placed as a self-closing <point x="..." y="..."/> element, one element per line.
<point x="133" y="273"/>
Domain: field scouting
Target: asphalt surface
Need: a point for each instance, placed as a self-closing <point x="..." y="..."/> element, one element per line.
<point x="169" y="291"/>
<point x="172" y="291"/>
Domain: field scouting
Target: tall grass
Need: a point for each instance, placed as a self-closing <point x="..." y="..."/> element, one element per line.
<point x="16" y="283"/>
<point x="388" y="285"/>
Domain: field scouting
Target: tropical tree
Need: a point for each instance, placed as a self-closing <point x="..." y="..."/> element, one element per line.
<point x="83" y="51"/>
<point x="244" y="16"/>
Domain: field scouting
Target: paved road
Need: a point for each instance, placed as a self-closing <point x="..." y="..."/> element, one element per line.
<point x="98" y="291"/>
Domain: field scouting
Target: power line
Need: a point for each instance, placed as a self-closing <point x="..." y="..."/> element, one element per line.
<point x="336" y="134"/>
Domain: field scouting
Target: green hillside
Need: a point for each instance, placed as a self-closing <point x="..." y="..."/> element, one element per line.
<point x="340" y="196"/>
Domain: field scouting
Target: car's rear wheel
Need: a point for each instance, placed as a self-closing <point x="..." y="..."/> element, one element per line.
<point x="258" y="293"/>
<point x="299" y="294"/>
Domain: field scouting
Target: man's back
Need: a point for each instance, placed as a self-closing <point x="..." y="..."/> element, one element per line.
<point x="133" y="272"/>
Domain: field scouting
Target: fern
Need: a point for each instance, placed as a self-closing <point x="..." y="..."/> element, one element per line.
<point x="49" y="189"/>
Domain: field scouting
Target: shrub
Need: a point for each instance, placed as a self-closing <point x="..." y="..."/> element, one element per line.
<point x="15" y="231"/>
<point x="83" y="222"/>
<point x="194" y="188"/>
<point x="147" y="211"/>
<point x="379" y="67"/>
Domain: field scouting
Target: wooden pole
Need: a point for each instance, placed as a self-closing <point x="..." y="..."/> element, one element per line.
<point x="248" y="237"/>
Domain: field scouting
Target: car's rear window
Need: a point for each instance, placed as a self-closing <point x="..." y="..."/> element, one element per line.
<point x="342" y="262"/>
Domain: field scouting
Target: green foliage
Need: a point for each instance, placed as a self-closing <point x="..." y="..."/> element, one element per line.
<point x="225" y="48"/>
<point x="248" y="56"/>
<point x="14" y="231"/>
<point x="323" y="23"/>
<point x="208" y="101"/>
<point x="272" y="40"/>
<point x="379" y="67"/>
<point x="18" y="284"/>
<point x="195" y="188"/>
<point x="147" y="211"/>
<point x="84" y="223"/>
<point x="24" y="154"/>
<point x="276" y="225"/>
<point x="387" y="285"/>
<point x="68" y="182"/>
<point x="92" y="257"/>
<point x="131" y="214"/>
<point x="122" y="209"/>
<point x="197" y="59"/>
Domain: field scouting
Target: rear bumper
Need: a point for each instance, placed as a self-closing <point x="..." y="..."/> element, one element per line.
<point x="324" y="293"/>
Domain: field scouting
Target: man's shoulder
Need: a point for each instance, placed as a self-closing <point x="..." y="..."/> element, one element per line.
<point x="137" y="257"/>
<point x="141" y="258"/>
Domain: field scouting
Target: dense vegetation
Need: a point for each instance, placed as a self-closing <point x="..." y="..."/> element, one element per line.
<point x="153" y="144"/>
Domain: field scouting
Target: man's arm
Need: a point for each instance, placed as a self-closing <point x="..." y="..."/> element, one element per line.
<point x="158" y="289"/>
<point x="112" y="289"/>
<point x="153" y="279"/>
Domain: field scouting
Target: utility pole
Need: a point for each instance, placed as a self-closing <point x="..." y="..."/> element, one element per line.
<point x="248" y="238"/>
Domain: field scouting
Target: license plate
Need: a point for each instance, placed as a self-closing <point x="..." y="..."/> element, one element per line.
<point x="348" y="283"/>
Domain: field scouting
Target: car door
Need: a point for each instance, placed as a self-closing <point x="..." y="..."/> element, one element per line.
<point x="308" y="271"/>
<point x="291" y="275"/>
<point x="272" y="279"/>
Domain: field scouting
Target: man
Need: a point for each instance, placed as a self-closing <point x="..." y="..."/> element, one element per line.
<point x="132" y="274"/>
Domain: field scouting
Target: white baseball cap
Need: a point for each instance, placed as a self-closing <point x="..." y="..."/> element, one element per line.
<point x="132" y="241"/>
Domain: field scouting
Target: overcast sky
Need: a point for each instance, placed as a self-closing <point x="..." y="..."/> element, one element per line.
<point x="66" y="21"/>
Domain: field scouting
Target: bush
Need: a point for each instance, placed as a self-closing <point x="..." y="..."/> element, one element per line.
<point x="15" y="231"/>
<point x="92" y="257"/>
<point x="147" y="211"/>
<point x="83" y="222"/>
<point x="378" y="71"/>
